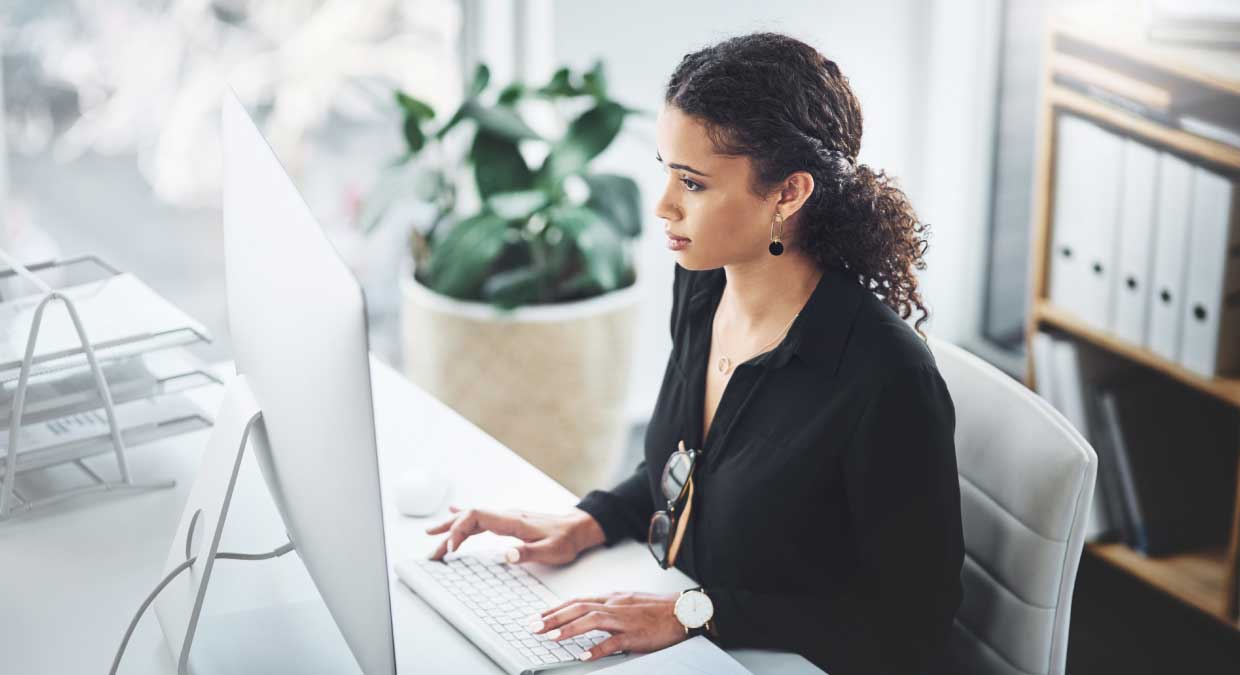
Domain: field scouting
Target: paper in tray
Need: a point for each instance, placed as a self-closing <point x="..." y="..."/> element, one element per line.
<point x="71" y="437"/>
<point x="70" y="391"/>
<point x="121" y="315"/>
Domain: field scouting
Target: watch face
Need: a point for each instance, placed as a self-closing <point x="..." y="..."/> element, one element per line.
<point x="694" y="609"/>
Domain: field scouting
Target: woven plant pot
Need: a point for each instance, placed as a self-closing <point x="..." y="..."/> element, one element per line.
<point x="550" y="382"/>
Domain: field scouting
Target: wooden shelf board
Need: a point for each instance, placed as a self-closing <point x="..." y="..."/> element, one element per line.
<point x="1224" y="388"/>
<point x="1118" y="27"/>
<point x="1147" y="130"/>
<point x="1196" y="578"/>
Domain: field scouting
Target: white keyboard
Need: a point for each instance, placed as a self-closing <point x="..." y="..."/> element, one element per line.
<point x="492" y="603"/>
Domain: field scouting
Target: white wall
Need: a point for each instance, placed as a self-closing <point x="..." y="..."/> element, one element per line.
<point x="956" y="137"/>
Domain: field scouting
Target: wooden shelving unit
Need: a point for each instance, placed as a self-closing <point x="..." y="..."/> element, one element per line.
<point x="1110" y="36"/>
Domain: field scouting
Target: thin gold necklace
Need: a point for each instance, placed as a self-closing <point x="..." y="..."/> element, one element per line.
<point x="725" y="364"/>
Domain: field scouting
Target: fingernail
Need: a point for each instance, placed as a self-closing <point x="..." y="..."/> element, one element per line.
<point x="513" y="555"/>
<point x="536" y="626"/>
<point x="585" y="656"/>
<point x="554" y="635"/>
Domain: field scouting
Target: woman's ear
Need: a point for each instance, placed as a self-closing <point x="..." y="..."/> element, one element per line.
<point x="793" y="193"/>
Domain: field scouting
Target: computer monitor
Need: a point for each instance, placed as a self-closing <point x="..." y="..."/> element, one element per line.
<point x="298" y="323"/>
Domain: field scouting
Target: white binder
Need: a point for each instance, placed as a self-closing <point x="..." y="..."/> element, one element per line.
<point x="1044" y="372"/>
<point x="1070" y="390"/>
<point x="1070" y="172"/>
<point x="1175" y="182"/>
<point x="1211" y="312"/>
<point x="1087" y="184"/>
<point x="1133" y="266"/>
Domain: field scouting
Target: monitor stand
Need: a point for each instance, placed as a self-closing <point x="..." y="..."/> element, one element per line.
<point x="297" y="639"/>
<point x="292" y="638"/>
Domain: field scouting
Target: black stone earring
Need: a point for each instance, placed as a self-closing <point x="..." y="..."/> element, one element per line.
<point x="777" y="247"/>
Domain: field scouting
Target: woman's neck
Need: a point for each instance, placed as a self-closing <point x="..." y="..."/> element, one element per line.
<point x="765" y="292"/>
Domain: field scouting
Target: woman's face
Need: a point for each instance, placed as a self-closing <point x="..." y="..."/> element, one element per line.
<point x="712" y="219"/>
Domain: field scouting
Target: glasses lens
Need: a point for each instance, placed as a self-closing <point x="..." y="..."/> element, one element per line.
<point x="658" y="537"/>
<point x="676" y="474"/>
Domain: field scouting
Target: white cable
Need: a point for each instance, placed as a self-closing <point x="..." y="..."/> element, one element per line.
<point x="133" y="623"/>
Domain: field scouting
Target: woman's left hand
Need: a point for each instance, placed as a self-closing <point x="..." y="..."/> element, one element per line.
<point x="638" y="622"/>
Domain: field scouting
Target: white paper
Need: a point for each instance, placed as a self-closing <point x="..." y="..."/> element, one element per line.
<point x="695" y="656"/>
<point x="116" y="309"/>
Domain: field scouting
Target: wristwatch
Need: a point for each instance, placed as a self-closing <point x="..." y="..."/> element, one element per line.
<point x="694" y="611"/>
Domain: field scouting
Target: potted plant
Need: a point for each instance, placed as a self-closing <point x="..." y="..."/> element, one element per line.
<point x="519" y="298"/>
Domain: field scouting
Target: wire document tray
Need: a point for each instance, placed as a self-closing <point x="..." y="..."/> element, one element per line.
<point x="92" y="361"/>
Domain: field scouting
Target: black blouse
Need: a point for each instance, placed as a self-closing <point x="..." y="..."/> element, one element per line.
<point x="826" y="516"/>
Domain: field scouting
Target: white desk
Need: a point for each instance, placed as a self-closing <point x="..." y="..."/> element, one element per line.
<point x="71" y="578"/>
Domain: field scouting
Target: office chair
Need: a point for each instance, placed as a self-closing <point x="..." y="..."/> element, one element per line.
<point x="1026" y="483"/>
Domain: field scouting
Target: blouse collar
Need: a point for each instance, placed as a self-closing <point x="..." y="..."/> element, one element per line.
<point x="818" y="336"/>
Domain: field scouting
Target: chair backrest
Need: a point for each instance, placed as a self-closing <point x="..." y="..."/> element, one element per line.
<point x="1026" y="484"/>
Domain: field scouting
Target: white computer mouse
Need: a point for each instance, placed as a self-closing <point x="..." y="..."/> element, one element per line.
<point x="420" y="491"/>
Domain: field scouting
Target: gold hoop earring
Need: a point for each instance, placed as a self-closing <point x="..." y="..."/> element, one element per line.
<point x="777" y="247"/>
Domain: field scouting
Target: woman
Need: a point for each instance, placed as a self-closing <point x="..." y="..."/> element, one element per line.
<point x="824" y="511"/>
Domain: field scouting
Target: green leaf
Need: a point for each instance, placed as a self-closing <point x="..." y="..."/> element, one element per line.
<point x="517" y="205"/>
<point x="560" y="85"/>
<point x="452" y="122"/>
<point x="602" y="251"/>
<point x="414" y="137"/>
<point x="511" y="94"/>
<point x="511" y="288"/>
<point x="618" y="199"/>
<point x="414" y="107"/>
<point x="498" y="165"/>
<point x="595" y="81"/>
<point x="461" y="259"/>
<point x="587" y="136"/>
<point x="500" y="120"/>
<point x="482" y="76"/>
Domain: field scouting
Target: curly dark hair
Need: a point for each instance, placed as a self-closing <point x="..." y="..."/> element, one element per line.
<point x="788" y="108"/>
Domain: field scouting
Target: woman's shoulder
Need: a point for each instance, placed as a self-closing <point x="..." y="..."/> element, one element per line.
<point x="882" y="345"/>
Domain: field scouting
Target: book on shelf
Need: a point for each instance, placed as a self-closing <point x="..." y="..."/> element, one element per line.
<point x="1194" y="22"/>
<point x="1178" y="463"/>
<point x="1112" y="467"/>
<point x="1215" y="131"/>
<point x="1133" y="533"/>
<point x="1119" y="99"/>
<point x="1091" y="78"/>
<point x="1072" y="395"/>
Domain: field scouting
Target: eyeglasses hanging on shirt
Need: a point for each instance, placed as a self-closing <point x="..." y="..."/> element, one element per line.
<point x="667" y="528"/>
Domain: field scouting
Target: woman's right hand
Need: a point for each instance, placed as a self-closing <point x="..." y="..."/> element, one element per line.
<point x="553" y="539"/>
